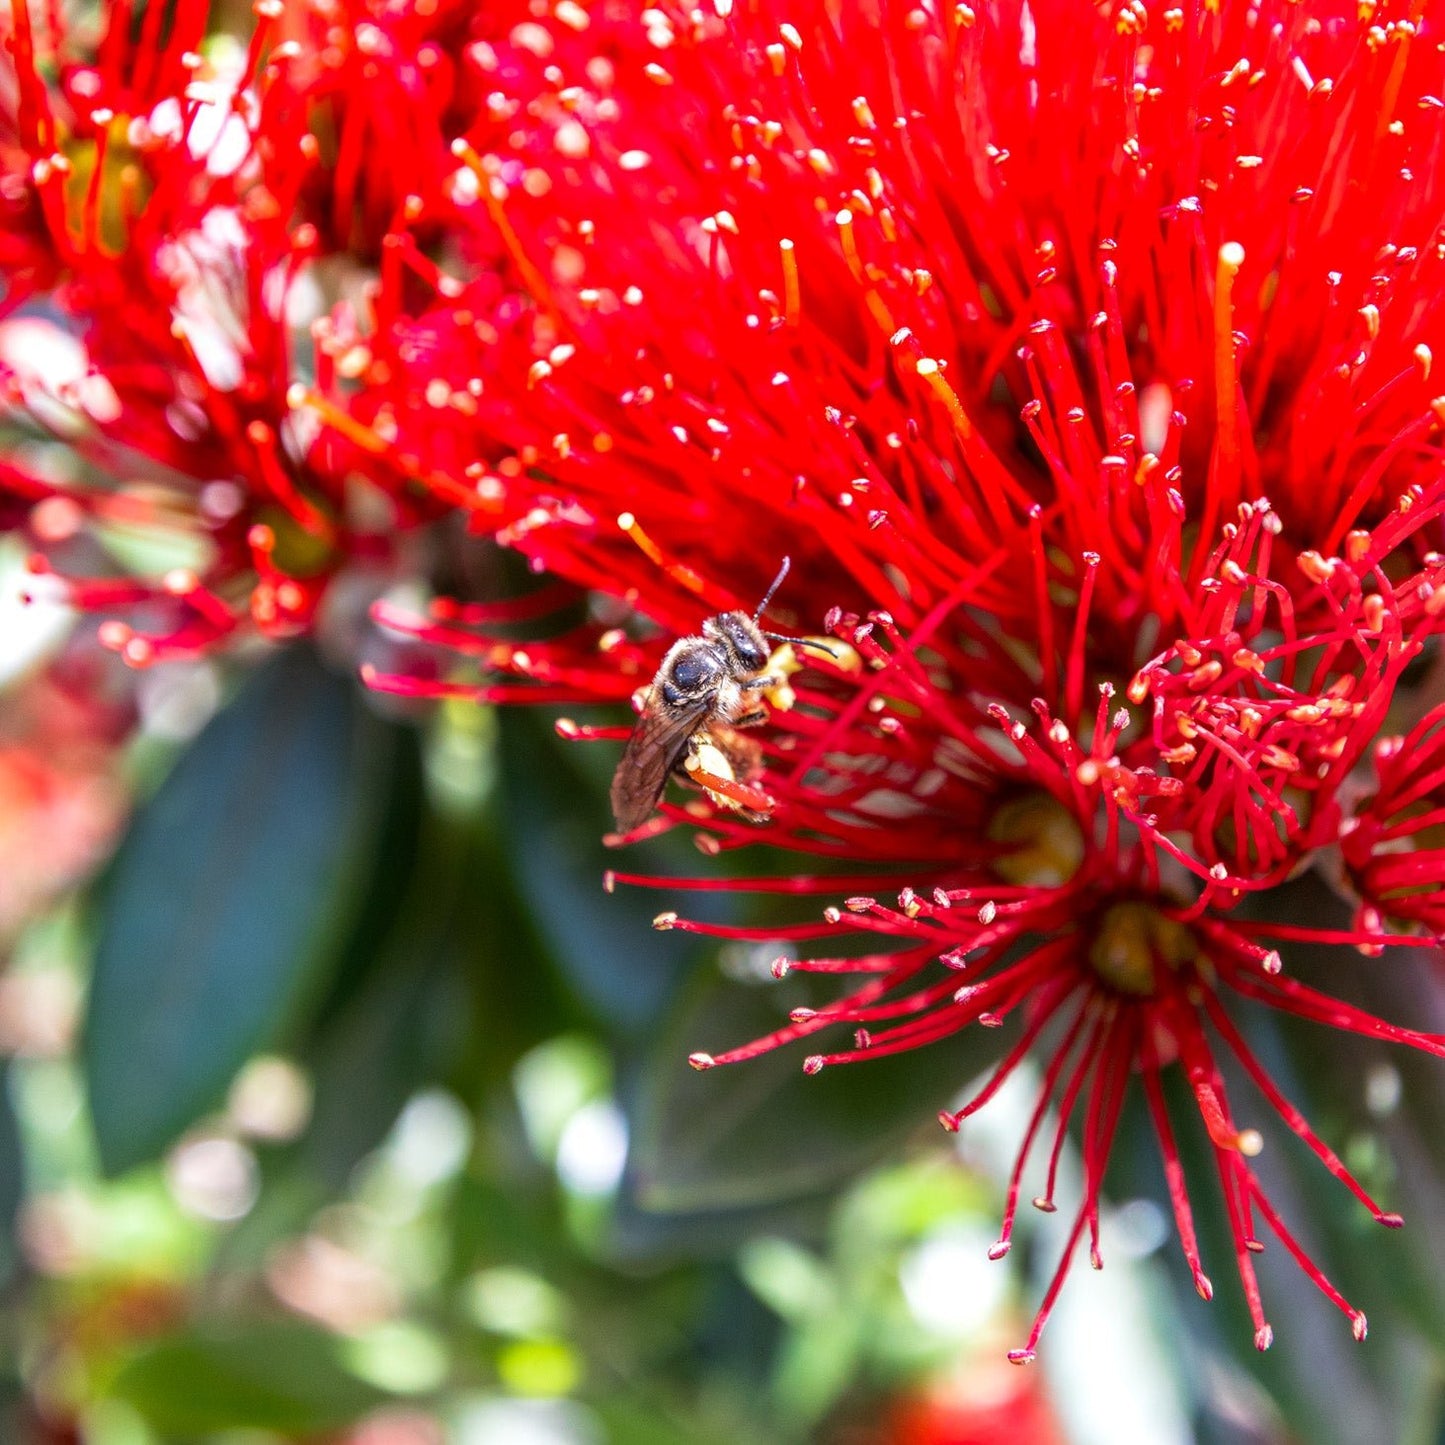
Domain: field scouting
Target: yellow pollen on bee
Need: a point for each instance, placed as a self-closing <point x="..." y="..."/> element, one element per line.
<point x="704" y="756"/>
<point x="780" y="696"/>
<point x="710" y="767"/>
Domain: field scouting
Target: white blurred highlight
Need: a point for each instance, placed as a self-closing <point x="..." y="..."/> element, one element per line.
<point x="950" y="1284"/>
<point x="593" y="1149"/>
<point x="213" y="1178"/>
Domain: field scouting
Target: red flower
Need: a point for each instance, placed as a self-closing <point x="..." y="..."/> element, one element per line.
<point x="1393" y="847"/>
<point x="61" y="804"/>
<point x="175" y="201"/>
<point x="1064" y="355"/>
<point x="1079" y="360"/>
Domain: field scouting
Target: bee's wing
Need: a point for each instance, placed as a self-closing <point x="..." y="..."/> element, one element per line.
<point x="656" y="744"/>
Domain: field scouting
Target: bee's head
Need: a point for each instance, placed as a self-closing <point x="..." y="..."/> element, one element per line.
<point x="741" y="636"/>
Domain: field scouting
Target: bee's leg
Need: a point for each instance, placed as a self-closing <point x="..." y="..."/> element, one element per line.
<point x="754" y="804"/>
<point x="714" y="768"/>
<point x="764" y="682"/>
<point x="688" y="758"/>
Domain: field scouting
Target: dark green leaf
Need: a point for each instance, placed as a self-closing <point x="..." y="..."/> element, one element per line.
<point x="401" y="867"/>
<point x="762" y="1132"/>
<point x="554" y="804"/>
<point x="228" y="900"/>
<point x="446" y="986"/>
<point x="680" y="1236"/>
<point x="12" y="1173"/>
<point x="396" y="1035"/>
<point x="387" y="1024"/>
<point x="282" y="1377"/>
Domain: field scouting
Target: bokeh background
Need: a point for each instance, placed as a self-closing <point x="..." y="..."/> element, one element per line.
<point x="342" y="1103"/>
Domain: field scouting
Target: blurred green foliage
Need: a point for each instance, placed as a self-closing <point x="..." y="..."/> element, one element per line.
<point x="376" y="1128"/>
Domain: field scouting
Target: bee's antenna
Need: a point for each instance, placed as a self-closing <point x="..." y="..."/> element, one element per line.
<point x="806" y="642"/>
<point x="777" y="582"/>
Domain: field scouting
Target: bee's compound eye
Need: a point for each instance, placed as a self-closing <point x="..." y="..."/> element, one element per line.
<point x="750" y="654"/>
<point x="693" y="670"/>
<point x="743" y="640"/>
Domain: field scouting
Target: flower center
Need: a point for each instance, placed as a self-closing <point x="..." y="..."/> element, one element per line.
<point x="1130" y="943"/>
<point x="1043" y="845"/>
<point x="105" y="185"/>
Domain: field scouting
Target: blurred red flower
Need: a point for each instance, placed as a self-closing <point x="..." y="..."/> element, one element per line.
<point x="61" y="802"/>
<point x="189" y="244"/>
<point x="978" y="1406"/>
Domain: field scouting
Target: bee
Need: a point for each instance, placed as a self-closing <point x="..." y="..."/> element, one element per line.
<point x="707" y="687"/>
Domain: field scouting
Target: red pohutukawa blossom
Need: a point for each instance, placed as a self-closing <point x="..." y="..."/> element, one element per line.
<point x="1394" y="846"/>
<point x="1080" y="360"/>
<point x="178" y="208"/>
<point x="1078" y="357"/>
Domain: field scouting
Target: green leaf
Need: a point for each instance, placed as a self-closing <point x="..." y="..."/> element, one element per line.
<point x="283" y="1377"/>
<point x="760" y="1133"/>
<point x="396" y="1035"/>
<point x="397" y="1015"/>
<point x="554" y="803"/>
<point x="229" y="898"/>
<point x="401" y="867"/>
<point x="12" y="1173"/>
